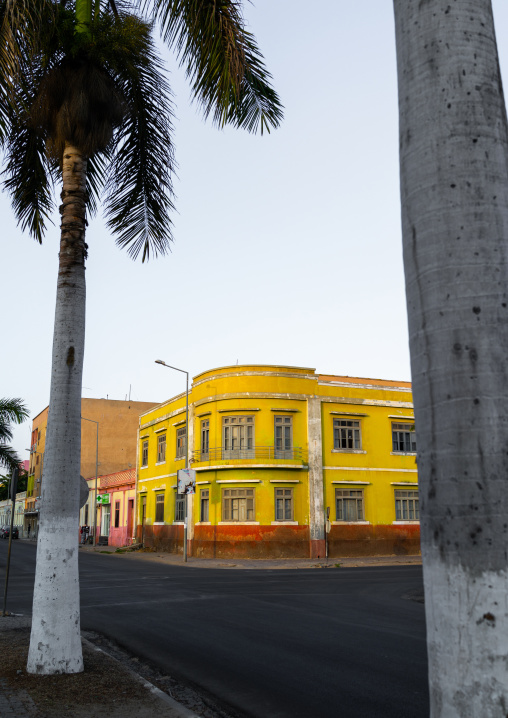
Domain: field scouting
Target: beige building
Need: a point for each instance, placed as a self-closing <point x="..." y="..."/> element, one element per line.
<point x="108" y="436"/>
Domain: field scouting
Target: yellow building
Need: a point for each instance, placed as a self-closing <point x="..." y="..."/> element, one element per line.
<point x="276" y="450"/>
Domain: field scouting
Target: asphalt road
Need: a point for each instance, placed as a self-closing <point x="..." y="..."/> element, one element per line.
<point x="309" y="643"/>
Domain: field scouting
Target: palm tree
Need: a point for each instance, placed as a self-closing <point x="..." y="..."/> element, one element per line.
<point x="11" y="411"/>
<point x="84" y="101"/>
<point x="454" y="190"/>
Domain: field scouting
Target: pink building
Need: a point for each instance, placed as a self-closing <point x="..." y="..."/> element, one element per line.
<point x="115" y="504"/>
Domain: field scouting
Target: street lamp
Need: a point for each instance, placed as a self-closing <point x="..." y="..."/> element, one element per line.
<point x="159" y="361"/>
<point x="96" y="471"/>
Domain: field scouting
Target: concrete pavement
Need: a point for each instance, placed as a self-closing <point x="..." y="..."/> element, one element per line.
<point x="107" y="687"/>
<point x="20" y="696"/>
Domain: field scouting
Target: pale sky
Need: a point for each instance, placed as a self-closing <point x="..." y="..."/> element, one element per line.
<point x="287" y="247"/>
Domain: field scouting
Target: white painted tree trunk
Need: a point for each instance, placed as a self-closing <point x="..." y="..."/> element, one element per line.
<point x="454" y="189"/>
<point x="55" y="644"/>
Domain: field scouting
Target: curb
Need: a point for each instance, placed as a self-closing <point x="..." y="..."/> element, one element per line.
<point x="180" y="710"/>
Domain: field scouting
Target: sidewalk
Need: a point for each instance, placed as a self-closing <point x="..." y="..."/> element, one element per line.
<point x="252" y="563"/>
<point x="107" y="688"/>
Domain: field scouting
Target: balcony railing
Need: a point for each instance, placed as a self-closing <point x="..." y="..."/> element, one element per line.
<point x="258" y="455"/>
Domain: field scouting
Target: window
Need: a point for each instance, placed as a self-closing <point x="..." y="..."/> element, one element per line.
<point x="117" y="514"/>
<point x="283" y="437"/>
<point x="161" y="448"/>
<point x="404" y="438"/>
<point x="205" y="439"/>
<point x="283" y="504"/>
<point x="86" y="514"/>
<point x="159" y="509"/>
<point x="407" y="506"/>
<point x="205" y="497"/>
<point x="349" y="504"/>
<point x="180" y="442"/>
<point x="37" y="459"/>
<point x="238" y="437"/>
<point x="180" y="507"/>
<point x="238" y="504"/>
<point x="346" y="434"/>
<point x="144" y="453"/>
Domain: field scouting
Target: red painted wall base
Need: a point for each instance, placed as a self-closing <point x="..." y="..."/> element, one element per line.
<point x="317" y="548"/>
<point x="285" y="541"/>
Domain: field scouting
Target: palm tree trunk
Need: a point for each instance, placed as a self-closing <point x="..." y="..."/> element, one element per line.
<point x="454" y="190"/>
<point x="55" y="645"/>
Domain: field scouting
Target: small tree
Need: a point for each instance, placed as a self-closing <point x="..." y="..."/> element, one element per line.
<point x="11" y="411"/>
<point x="5" y="483"/>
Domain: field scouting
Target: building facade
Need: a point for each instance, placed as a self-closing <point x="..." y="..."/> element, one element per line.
<point x="115" y="507"/>
<point x="108" y="444"/>
<point x="288" y="463"/>
<point x="19" y="511"/>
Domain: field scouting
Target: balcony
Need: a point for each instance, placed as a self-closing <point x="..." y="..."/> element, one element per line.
<point x="220" y="456"/>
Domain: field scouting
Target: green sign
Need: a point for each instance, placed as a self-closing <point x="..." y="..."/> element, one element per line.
<point x="103" y="498"/>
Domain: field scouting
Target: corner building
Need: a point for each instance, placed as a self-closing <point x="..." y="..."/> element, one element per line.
<point x="277" y="450"/>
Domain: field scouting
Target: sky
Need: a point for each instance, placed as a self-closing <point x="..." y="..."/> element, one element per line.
<point x="287" y="246"/>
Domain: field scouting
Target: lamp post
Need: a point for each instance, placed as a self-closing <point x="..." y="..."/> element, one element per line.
<point x="159" y="361"/>
<point x="96" y="471"/>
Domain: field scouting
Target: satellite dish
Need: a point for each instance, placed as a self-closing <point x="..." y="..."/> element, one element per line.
<point x="83" y="491"/>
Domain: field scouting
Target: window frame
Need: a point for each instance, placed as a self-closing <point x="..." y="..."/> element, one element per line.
<point x="204" y="506"/>
<point x="283" y="421"/>
<point x="228" y="508"/>
<point x="411" y="496"/>
<point x="144" y="453"/>
<point x="401" y="430"/>
<point x="179" y="507"/>
<point x="230" y="436"/>
<point x="161" y="448"/>
<point x="350" y="495"/>
<point x="159" y="508"/>
<point x="181" y="442"/>
<point x="117" y="515"/>
<point x="344" y="424"/>
<point x="287" y="495"/>
<point x="205" y="439"/>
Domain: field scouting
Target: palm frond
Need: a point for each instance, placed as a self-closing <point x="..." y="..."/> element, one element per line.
<point x="139" y="189"/>
<point x="28" y="178"/>
<point x="13" y="410"/>
<point x="22" y="25"/>
<point x="8" y="457"/>
<point x="224" y="64"/>
<point x="96" y="176"/>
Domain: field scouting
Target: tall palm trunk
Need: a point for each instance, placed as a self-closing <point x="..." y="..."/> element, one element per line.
<point x="55" y="645"/>
<point x="454" y="189"/>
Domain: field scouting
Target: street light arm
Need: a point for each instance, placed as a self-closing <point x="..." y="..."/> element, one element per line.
<point x="163" y="363"/>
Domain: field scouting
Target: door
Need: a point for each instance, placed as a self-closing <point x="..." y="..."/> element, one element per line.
<point x="130" y="511"/>
<point x="105" y="520"/>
